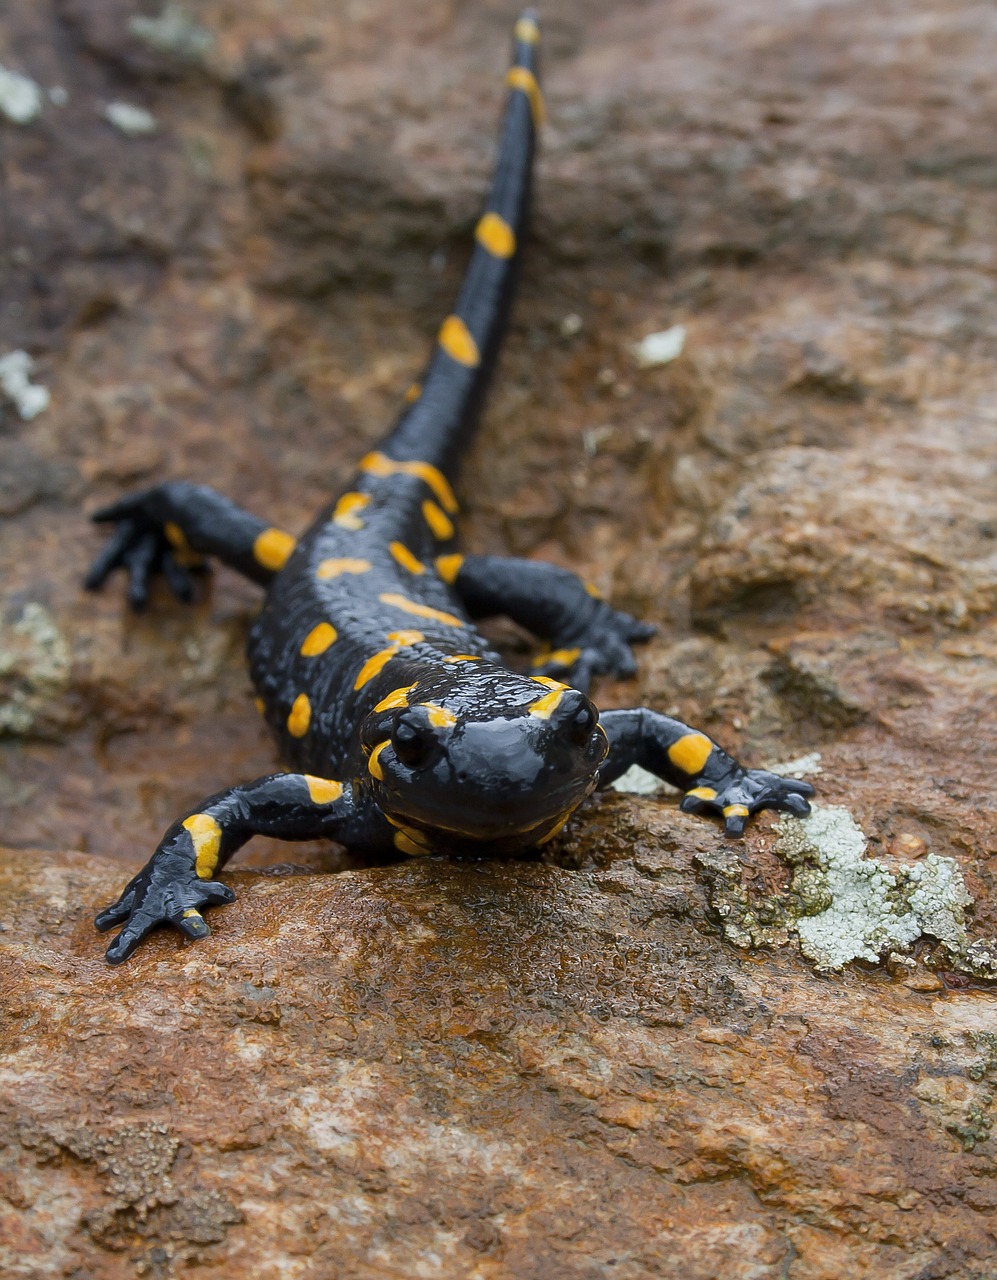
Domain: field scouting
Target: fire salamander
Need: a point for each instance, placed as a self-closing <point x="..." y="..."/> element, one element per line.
<point x="402" y="728"/>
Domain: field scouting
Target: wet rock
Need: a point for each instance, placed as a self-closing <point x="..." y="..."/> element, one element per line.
<point x="562" y="1068"/>
<point x="840" y="679"/>
<point x="512" y="1062"/>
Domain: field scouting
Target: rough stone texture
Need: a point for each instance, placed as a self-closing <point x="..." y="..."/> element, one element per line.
<point x="508" y="1070"/>
<point x="480" y="1070"/>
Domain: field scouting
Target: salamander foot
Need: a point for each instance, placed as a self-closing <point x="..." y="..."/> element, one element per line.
<point x="742" y="792"/>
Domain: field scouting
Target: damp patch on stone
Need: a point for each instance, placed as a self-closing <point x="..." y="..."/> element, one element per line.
<point x="842" y="905"/>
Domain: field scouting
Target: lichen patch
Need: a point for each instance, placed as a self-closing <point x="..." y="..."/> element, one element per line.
<point x="843" y="905"/>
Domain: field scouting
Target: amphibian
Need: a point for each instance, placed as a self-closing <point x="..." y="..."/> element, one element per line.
<point x="401" y="728"/>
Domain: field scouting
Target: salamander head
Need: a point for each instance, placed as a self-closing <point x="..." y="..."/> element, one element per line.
<point x="476" y="759"/>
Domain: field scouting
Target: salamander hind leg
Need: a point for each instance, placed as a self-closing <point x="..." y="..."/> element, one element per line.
<point x="169" y="530"/>
<point x="584" y="636"/>
<point x="711" y="780"/>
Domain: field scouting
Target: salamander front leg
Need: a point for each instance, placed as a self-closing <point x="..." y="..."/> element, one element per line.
<point x="176" y="883"/>
<point x="169" y="529"/>
<point x="585" y="636"/>
<point x="712" y="780"/>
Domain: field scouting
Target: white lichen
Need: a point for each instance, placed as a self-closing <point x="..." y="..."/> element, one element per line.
<point x="20" y="97"/>
<point x="35" y="665"/>
<point x="660" y="348"/>
<point x="174" y="32"/>
<point x="807" y="766"/>
<point x="132" y="121"/>
<point x="843" y="905"/>
<point x="637" y="782"/>
<point x="28" y="398"/>
<point x="867" y="917"/>
<point x="938" y="897"/>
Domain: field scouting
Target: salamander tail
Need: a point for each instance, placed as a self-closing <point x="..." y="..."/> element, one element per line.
<point x="441" y="408"/>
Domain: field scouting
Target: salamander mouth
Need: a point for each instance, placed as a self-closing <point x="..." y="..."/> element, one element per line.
<point x="482" y="838"/>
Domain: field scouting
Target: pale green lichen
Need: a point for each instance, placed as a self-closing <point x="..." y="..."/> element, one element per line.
<point x="29" y="398"/>
<point x="843" y="905"/>
<point x="34" y="672"/>
<point x="20" y="97"/>
<point x="637" y="781"/>
<point x="866" y="915"/>
<point x="132" y="121"/>
<point x="174" y="32"/>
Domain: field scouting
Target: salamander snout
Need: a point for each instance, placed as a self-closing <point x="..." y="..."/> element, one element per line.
<point x="468" y="776"/>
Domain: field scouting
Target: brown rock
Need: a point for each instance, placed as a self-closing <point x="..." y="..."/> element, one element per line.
<point x="497" y="1061"/>
<point x="510" y="1070"/>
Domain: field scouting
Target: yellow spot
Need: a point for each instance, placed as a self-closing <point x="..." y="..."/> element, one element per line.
<point x="544" y="707"/>
<point x="379" y="464"/>
<point x="373" y="665"/>
<point x="441" y="525"/>
<point x="345" y="514"/>
<point x="690" y="752"/>
<point x="376" y="663"/>
<point x="593" y="590"/>
<point x="412" y="393"/>
<point x="419" y="839"/>
<point x="175" y="536"/>
<point x="192" y="913"/>
<point x="206" y="836"/>
<point x="183" y="552"/>
<point x="260" y="705"/>
<point x="419" y="610"/>
<point x="556" y="829"/>
<point x="373" y="764"/>
<point x="272" y="548"/>
<point x="405" y="844"/>
<point x="494" y="234"/>
<point x="457" y="341"/>
<point x="396" y="698"/>
<point x="464" y="657"/>
<point x="300" y="717"/>
<point x="405" y="558"/>
<point x="318" y="640"/>
<point x="702" y="793"/>
<point x="560" y="657"/>
<point x="551" y="684"/>
<point x="527" y="31"/>
<point x="736" y="811"/>
<point x="333" y="568"/>
<point x="323" y="790"/>
<point x="520" y="78"/>
<point x="448" y="567"/>
<point x="439" y="717"/>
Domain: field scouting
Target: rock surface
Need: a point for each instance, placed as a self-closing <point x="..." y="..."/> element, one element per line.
<point x="480" y="1070"/>
<point x="560" y="1068"/>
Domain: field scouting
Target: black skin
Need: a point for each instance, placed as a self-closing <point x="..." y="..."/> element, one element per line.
<point x="403" y="728"/>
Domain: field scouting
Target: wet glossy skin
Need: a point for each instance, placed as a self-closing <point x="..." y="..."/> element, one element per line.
<point x="401" y="729"/>
<point x="488" y="775"/>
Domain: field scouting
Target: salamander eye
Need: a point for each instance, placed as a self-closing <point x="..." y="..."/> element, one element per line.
<point x="411" y="746"/>
<point x="582" y="724"/>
